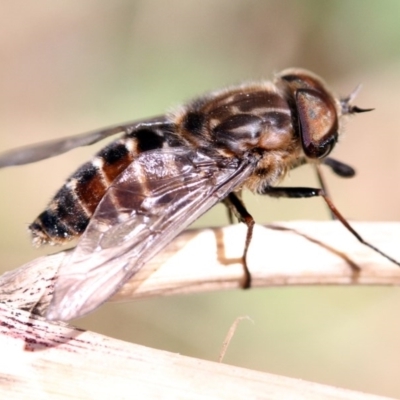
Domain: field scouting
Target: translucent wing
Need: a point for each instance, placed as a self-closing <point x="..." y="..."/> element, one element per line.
<point x="156" y="197"/>
<point x="43" y="150"/>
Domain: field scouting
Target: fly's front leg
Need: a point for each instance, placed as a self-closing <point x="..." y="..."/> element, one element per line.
<point x="299" y="192"/>
<point x="339" y="168"/>
<point x="236" y="207"/>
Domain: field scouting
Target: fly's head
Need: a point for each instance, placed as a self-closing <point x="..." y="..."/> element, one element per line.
<point x="319" y="113"/>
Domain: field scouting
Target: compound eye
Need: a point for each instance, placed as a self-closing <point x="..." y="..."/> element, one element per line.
<point x="324" y="149"/>
<point x="318" y="122"/>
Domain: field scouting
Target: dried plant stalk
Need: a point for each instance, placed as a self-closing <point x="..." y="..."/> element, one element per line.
<point x="48" y="360"/>
<point x="41" y="359"/>
<point x="295" y="253"/>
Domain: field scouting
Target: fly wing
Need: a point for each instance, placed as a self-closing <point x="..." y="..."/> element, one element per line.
<point x="156" y="197"/>
<point x="40" y="151"/>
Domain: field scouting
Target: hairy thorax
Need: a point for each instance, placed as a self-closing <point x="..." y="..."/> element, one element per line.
<point x="254" y="120"/>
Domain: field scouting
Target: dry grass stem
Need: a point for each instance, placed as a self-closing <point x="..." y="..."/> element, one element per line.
<point x="295" y="253"/>
<point x="49" y="360"/>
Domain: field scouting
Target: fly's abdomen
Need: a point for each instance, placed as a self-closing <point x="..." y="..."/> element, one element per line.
<point x="69" y="212"/>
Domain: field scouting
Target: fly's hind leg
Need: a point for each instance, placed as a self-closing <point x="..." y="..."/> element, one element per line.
<point x="237" y="208"/>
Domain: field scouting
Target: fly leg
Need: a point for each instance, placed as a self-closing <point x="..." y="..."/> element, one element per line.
<point x="298" y="192"/>
<point x="340" y="169"/>
<point x="323" y="186"/>
<point x="337" y="167"/>
<point x="231" y="209"/>
<point x="237" y="208"/>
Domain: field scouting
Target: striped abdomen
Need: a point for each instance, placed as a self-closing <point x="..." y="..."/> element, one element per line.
<point x="68" y="214"/>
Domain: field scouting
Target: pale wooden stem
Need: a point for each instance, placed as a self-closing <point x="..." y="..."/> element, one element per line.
<point x="51" y="361"/>
<point x="296" y="253"/>
<point x="40" y="359"/>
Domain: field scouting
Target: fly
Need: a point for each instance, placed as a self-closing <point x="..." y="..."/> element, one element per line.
<point x="141" y="190"/>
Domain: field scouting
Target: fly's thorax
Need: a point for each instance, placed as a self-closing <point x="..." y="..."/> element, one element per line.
<point x="253" y="117"/>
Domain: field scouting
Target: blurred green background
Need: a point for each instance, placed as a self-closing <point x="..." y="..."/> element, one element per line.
<point x="69" y="67"/>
